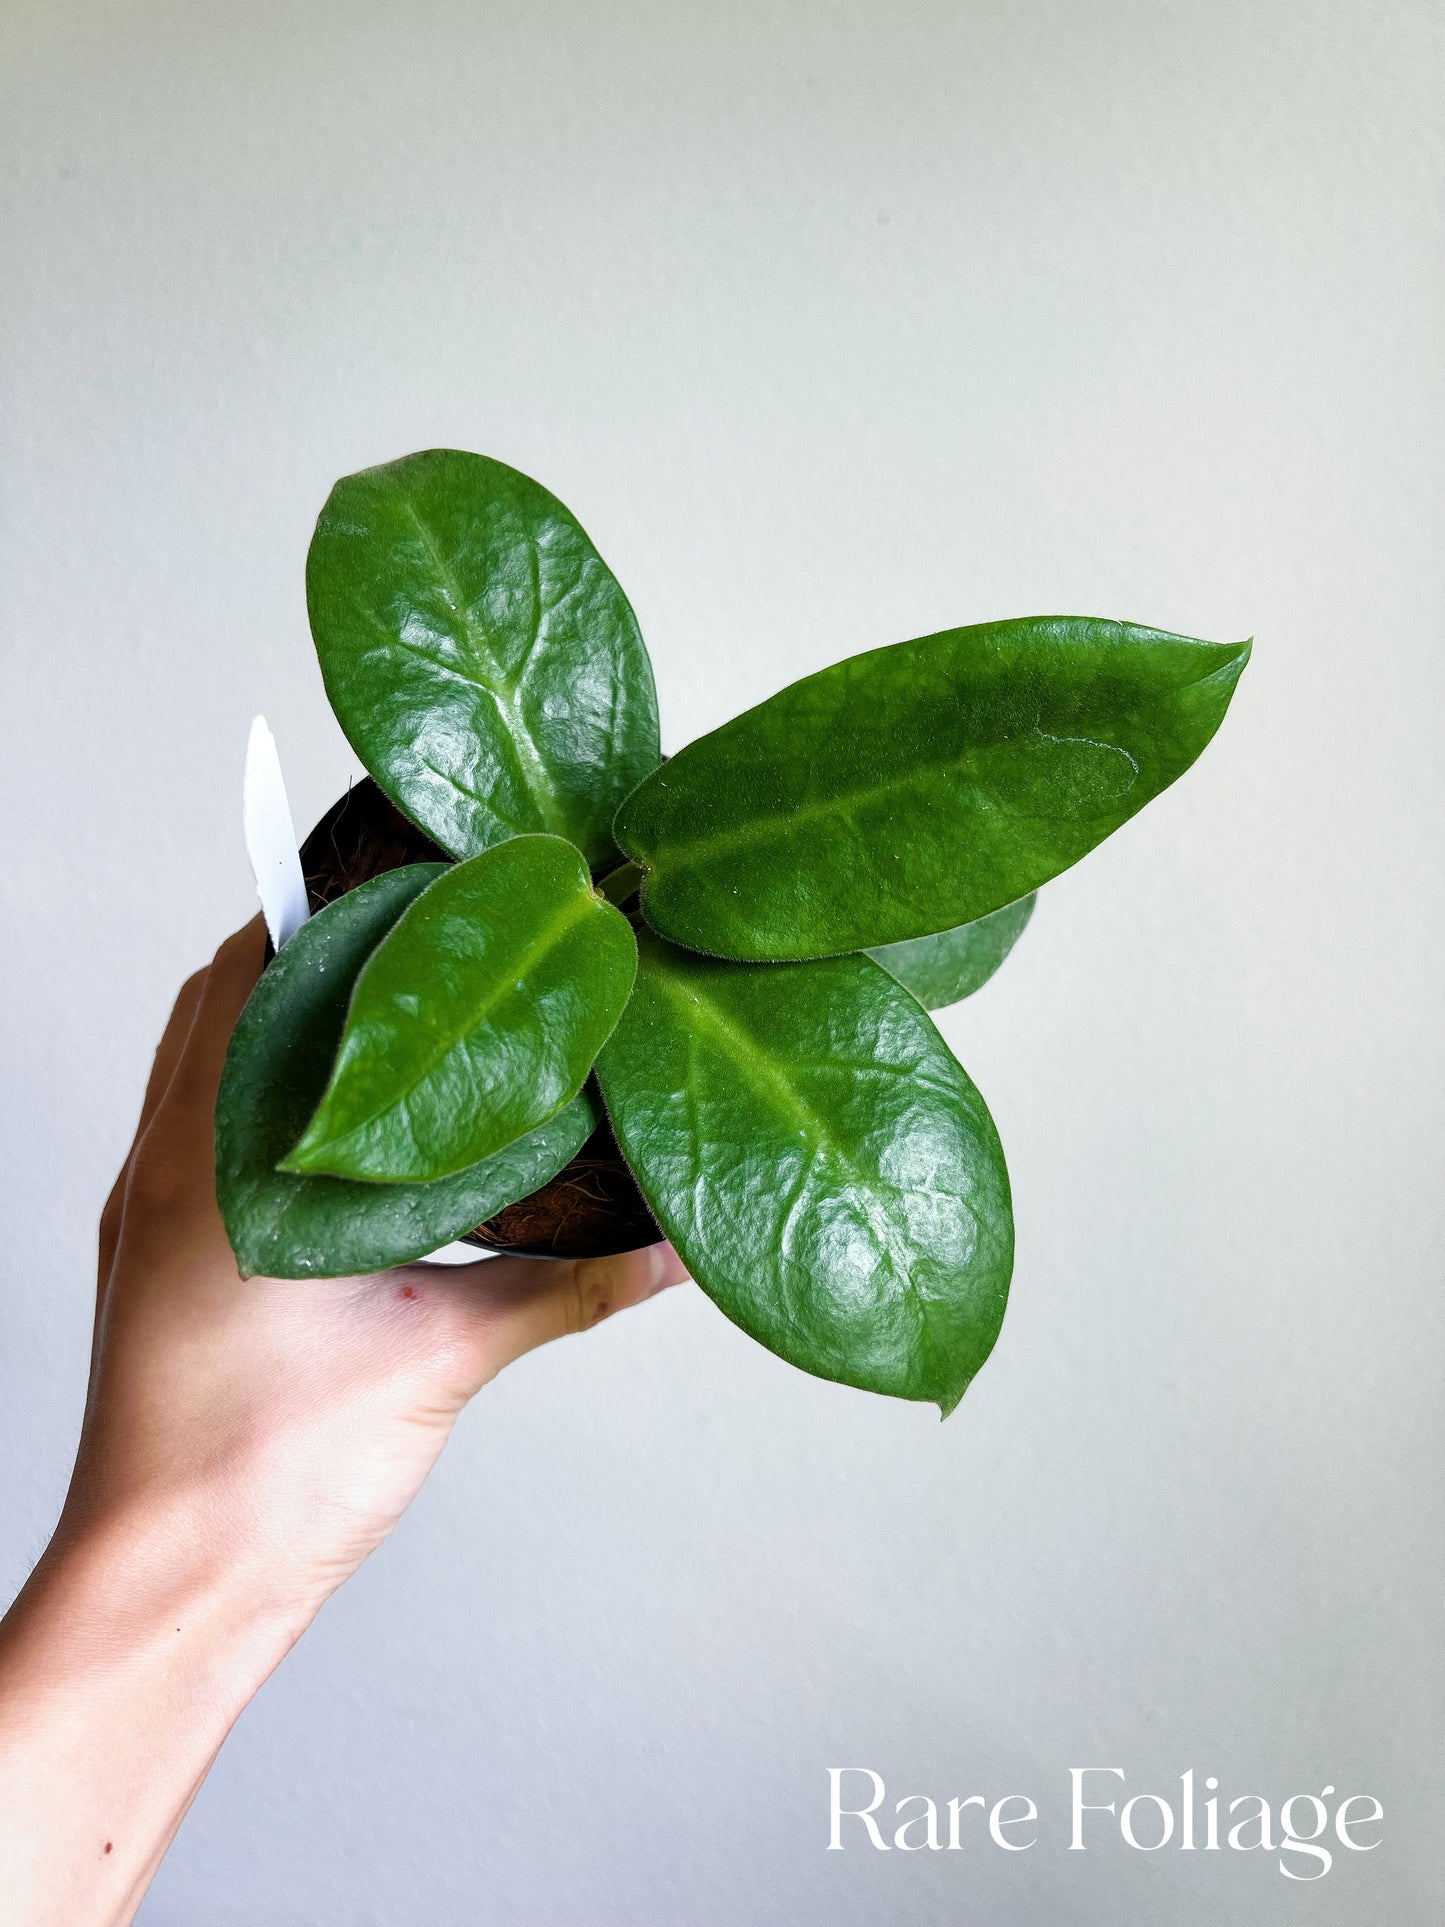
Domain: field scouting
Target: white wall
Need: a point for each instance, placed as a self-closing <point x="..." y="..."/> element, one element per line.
<point x="835" y="324"/>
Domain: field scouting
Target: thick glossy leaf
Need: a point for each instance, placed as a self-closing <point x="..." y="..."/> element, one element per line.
<point x="940" y="970"/>
<point x="478" y="652"/>
<point x="824" y="1166"/>
<point x="283" y="1225"/>
<point x="919" y="787"/>
<point x="475" y="1019"/>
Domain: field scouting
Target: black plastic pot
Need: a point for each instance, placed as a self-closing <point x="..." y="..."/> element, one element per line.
<point x="592" y="1207"/>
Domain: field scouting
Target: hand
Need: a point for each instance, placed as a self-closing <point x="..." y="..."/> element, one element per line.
<point x="245" y="1445"/>
<point x="302" y="1415"/>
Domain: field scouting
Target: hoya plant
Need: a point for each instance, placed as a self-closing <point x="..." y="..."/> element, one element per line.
<point x="702" y="982"/>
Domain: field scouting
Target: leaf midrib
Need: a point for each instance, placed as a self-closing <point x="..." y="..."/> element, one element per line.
<point x="744" y="1052"/>
<point x="501" y="688"/>
<point x="687" y="852"/>
<point x="547" y="938"/>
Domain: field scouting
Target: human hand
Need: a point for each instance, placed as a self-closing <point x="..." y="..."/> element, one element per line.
<point x="246" y="1443"/>
<point x="302" y="1414"/>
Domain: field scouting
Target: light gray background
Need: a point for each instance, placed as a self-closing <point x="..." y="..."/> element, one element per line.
<point x="835" y="324"/>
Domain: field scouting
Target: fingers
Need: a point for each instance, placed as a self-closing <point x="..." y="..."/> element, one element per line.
<point x="173" y="1161"/>
<point x="526" y="1302"/>
<point x="173" y="1042"/>
<point x="168" y="1053"/>
<point x="228" y="983"/>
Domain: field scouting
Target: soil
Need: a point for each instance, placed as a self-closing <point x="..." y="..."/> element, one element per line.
<point x="592" y="1207"/>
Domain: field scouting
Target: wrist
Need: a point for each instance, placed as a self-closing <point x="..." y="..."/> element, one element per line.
<point x="147" y="1583"/>
<point x="124" y="1663"/>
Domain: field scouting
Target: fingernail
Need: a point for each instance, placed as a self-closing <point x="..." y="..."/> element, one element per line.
<point x="664" y="1268"/>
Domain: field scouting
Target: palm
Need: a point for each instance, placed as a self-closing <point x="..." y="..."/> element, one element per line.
<point x="313" y="1408"/>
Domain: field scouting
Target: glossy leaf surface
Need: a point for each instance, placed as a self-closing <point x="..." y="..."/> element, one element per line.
<point x="940" y="970"/>
<point x="475" y="1019"/>
<point x="821" y="1161"/>
<point x="919" y="787"/>
<point x="284" y="1225"/>
<point x="478" y="652"/>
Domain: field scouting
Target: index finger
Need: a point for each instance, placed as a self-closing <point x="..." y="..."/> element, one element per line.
<point x="163" y="1066"/>
<point x="229" y="982"/>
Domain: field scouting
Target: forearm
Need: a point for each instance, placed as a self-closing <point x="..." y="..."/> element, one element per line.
<point x="123" y="1665"/>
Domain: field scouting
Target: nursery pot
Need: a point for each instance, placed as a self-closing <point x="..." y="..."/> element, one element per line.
<point x="592" y="1207"/>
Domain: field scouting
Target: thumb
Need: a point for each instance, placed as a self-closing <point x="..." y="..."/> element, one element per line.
<point x="527" y="1302"/>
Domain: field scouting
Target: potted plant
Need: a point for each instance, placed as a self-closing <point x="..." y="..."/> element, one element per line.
<point x="561" y="989"/>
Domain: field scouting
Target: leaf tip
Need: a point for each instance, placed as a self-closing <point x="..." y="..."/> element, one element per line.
<point x="1235" y="660"/>
<point x="300" y="1162"/>
<point x="1219" y="682"/>
<point x="314" y="1153"/>
<point x="246" y="1268"/>
<point x="950" y="1402"/>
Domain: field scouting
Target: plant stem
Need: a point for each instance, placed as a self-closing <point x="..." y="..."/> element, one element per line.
<point x="620" y="884"/>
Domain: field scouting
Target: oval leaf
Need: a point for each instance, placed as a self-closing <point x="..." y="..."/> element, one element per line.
<point x="475" y="1020"/>
<point x="283" y="1225"/>
<point x="478" y="652"/>
<point x="821" y="1161"/>
<point x="940" y="970"/>
<point x="919" y="787"/>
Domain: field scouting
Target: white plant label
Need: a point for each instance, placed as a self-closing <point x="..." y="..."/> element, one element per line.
<point x="271" y="837"/>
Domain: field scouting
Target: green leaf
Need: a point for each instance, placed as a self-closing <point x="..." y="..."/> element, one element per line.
<point x="919" y="787"/>
<point x="816" y="1154"/>
<point x="940" y="970"/>
<point x="478" y="652"/>
<point x="287" y="1226"/>
<point x="475" y="1019"/>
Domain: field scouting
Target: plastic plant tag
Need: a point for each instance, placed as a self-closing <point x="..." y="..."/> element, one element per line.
<point x="271" y="837"/>
<point x="281" y="884"/>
